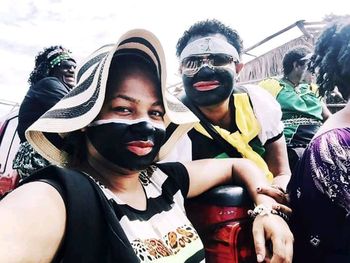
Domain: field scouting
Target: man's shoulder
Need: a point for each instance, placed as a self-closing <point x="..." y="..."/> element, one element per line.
<point x="255" y="92"/>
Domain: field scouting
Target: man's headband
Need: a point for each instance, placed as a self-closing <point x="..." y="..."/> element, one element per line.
<point x="211" y="45"/>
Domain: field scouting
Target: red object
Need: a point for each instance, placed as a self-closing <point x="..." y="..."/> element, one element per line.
<point x="226" y="231"/>
<point x="8" y="183"/>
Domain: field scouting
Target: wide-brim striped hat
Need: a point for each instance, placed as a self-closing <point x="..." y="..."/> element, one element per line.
<point x="81" y="106"/>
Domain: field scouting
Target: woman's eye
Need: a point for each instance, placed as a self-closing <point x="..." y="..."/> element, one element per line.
<point x="158" y="114"/>
<point x="121" y="110"/>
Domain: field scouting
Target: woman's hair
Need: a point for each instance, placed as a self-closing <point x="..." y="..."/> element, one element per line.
<point x="121" y="66"/>
<point x="294" y="55"/>
<point x="42" y="68"/>
<point x="207" y="27"/>
<point x="331" y="59"/>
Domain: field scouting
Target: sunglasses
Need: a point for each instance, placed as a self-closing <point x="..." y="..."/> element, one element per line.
<point x="191" y="65"/>
<point x="67" y="65"/>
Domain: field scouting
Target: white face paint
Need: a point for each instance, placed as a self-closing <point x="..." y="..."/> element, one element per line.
<point x="209" y="45"/>
<point x="128" y="122"/>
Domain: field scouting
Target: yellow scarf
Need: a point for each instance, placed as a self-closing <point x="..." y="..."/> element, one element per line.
<point x="249" y="127"/>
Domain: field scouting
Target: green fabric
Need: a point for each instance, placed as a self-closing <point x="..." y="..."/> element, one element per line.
<point x="222" y="156"/>
<point x="298" y="104"/>
<point x="302" y="104"/>
<point x="257" y="146"/>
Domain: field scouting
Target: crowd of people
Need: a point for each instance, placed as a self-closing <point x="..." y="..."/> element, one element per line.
<point x="108" y="164"/>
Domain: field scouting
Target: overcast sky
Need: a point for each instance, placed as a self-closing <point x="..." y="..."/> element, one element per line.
<point x="82" y="26"/>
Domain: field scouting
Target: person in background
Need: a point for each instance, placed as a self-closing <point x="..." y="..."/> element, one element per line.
<point x="112" y="202"/>
<point x="303" y="111"/>
<point x="52" y="78"/>
<point x="320" y="185"/>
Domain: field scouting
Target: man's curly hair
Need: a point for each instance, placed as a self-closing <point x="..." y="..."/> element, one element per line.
<point x="42" y="67"/>
<point x="331" y="59"/>
<point x="206" y="27"/>
<point x="294" y="55"/>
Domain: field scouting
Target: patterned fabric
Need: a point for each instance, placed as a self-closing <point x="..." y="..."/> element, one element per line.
<point x="162" y="232"/>
<point x="27" y="160"/>
<point x="329" y="157"/>
<point x="320" y="199"/>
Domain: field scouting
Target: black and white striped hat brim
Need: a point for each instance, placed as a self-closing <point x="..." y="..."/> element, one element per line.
<point x="81" y="106"/>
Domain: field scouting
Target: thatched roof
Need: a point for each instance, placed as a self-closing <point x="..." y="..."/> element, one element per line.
<point x="270" y="63"/>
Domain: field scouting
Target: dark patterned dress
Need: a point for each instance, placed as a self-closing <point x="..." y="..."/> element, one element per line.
<point x="320" y="198"/>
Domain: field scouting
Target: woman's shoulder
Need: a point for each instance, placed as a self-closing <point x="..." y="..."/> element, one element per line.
<point x="37" y="213"/>
<point x="46" y="83"/>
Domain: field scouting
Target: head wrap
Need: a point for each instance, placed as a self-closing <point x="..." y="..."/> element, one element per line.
<point x="57" y="55"/>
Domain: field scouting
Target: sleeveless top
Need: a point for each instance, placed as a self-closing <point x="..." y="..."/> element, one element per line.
<point x="100" y="228"/>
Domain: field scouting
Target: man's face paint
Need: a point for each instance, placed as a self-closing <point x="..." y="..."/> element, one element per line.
<point x="131" y="144"/>
<point x="210" y="86"/>
<point x="208" y="70"/>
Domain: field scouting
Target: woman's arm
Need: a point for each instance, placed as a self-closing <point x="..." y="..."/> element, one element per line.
<point x="326" y="113"/>
<point x="205" y="174"/>
<point x="32" y="223"/>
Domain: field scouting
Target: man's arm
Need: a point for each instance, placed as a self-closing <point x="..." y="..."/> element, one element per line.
<point x="276" y="158"/>
<point x="207" y="173"/>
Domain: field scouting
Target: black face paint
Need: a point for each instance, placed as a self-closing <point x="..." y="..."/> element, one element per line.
<point x="112" y="140"/>
<point x="225" y="77"/>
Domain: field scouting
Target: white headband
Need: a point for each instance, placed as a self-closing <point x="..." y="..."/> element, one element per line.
<point x="128" y="122"/>
<point x="212" y="45"/>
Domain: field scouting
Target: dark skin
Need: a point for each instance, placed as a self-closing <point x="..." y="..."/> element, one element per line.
<point x="64" y="71"/>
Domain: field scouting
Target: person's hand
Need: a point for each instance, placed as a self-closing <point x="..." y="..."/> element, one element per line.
<point x="276" y="192"/>
<point x="270" y="227"/>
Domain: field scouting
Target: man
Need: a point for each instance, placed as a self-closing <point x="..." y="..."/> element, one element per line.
<point x="241" y="122"/>
<point x="245" y="120"/>
<point x="303" y="111"/>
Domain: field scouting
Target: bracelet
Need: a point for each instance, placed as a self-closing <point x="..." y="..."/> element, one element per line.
<point x="263" y="210"/>
<point x="281" y="214"/>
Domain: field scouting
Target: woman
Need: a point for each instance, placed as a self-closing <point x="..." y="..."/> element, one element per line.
<point x="320" y="193"/>
<point x="51" y="79"/>
<point x="112" y="203"/>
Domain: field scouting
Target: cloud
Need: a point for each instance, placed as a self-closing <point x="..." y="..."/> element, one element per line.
<point x="27" y="26"/>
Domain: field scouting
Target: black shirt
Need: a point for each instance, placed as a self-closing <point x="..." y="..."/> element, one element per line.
<point x="40" y="98"/>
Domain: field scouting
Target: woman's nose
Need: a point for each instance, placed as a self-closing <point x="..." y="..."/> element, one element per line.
<point x="144" y="128"/>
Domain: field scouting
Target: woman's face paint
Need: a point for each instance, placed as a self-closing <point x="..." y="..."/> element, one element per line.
<point x="129" y="130"/>
<point x="209" y="86"/>
<point x="65" y="72"/>
<point x="129" y="144"/>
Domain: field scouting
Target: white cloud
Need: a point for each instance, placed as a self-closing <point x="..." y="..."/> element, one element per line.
<point x="82" y="26"/>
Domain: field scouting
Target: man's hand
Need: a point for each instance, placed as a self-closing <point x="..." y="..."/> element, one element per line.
<point x="280" y="197"/>
<point x="270" y="227"/>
